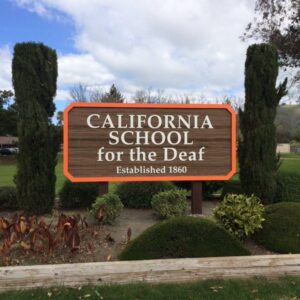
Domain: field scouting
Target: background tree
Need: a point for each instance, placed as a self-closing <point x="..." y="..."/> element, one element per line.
<point x="5" y="96"/>
<point x="278" y="22"/>
<point x="8" y="114"/>
<point x="79" y="93"/>
<point x="288" y="123"/>
<point x="34" y="70"/>
<point x="151" y="96"/>
<point x="82" y="93"/>
<point x="257" y="145"/>
<point x="58" y="130"/>
<point x="60" y="118"/>
<point x="114" y="96"/>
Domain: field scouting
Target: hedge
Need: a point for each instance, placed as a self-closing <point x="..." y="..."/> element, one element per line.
<point x="180" y="237"/>
<point x="281" y="228"/>
<point x="139" y="194"/>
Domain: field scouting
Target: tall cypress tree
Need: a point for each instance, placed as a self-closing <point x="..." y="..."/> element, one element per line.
<point x="257" y="144"/>
<point x="34" y="71"/>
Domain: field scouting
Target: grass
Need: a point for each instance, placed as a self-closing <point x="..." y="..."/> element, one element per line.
<point x="290" y="163"/>
<point x="259" y="288"/>
<point x="8" y="170"/>
<point x="290" y="155"/>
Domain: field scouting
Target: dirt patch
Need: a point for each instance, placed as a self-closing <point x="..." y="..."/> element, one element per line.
<point x="97" y="242"/>
<point x="101" y="242"/>
<point x="256" y="249"/>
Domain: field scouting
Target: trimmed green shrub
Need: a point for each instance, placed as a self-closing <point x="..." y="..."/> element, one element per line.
<point x="231" y="187"/>
<point x="241" y="215"/>
<point x="281" y="228"/>
<point x="139" y="194"/>
<point x="78" y="195"/>
<point x="170" y="203"/>
<point x="288" y="187"/>
<point x="180" y="237"/>
<point x="8" y="197"/>
<point x="112" y="206"/>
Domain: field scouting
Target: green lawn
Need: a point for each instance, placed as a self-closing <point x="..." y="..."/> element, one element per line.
<point x="290" y="163"/>
<point x="285" y="288"/>
<point x="8" y="170"/>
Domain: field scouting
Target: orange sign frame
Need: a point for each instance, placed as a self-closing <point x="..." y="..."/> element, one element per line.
<point x="149" y="178"/>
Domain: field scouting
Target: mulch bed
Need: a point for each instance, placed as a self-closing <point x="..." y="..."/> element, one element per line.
<point x="97" y="242"/>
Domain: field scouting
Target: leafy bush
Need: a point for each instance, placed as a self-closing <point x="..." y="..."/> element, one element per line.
<point x="209" y="187"/>
<point x="78" y="195"/>
<point x="183" y="237"/>
<point x="231" y="187"/>
<point x="281" y="229"/>
<point x="139" y="194"/>
<point x="240" y="214"/>
<point x="170" y="203"/>
<point x="107" y="208"/>
<point x="288" y="187"/>
<point x="8" y="197"/>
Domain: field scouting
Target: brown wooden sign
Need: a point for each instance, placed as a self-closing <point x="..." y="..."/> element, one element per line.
<point x="149" y="142"/>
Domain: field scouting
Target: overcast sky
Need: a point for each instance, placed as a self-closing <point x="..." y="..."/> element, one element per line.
<point x="186" y="47"/>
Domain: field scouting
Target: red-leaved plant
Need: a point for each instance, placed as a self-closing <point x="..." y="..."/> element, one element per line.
<point x="31" y="234"/>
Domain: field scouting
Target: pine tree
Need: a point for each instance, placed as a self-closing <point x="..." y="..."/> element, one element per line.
<point x="34" y="71"/>
<point x="113" y="96"/>
<point x="257" y="144"/>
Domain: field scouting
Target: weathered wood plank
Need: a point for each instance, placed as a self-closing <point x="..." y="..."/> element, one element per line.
<point x="152" y="271"/>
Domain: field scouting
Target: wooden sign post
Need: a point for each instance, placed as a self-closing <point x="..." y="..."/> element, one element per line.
<point x="106" y="142"/>
<point x="197" y="197"/>
<point x="103" y="188"/>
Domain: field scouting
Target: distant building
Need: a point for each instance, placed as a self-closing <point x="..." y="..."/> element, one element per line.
<point x="283" y="148"/>
<point x="295" y="148"/>
<point x="8" y="141"/>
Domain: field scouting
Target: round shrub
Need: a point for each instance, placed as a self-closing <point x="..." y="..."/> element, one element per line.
<point x="181" y="237"/>
<point x="110" y="204"/>
<point x="288" y="187"/>
<point x="241" y="215"/>
<point x="8" y="197"/>
<point x="170" y="203"/>
<point x="281" y="229"/>
<point x="78" y="195"/>
<point x="139" y="194"/>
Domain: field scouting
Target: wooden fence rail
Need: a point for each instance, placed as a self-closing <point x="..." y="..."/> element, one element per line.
<point x="152" y="271"/>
